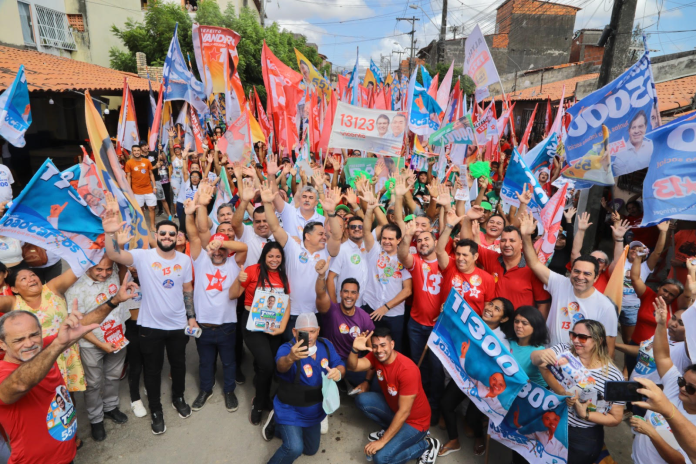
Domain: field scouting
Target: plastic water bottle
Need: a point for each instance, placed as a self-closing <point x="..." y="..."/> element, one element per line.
<point x="369" y="457"/>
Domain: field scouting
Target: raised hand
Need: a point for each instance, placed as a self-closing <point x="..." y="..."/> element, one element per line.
<point x="444" y="197"/>
<point x="267" y="194"/>
<point x="189" y="207"/>
<point x="360" y="342"/>
<point x="248" y="191"/>
<point x="569" y="213"/>
<point x="451" y="218"/>
<point x="272" y="165"/>
<point x="434" y="188"/>
<point x="351" y="197"/>
<point x="124" y="235"/>
<point x="661" y="314"/>
<point x="368" y="196"/>
<point x="663" y="226"/>
<point x="410" y="228"/>
<point x="127" y="291"/>
<point x="475" y="213"/>
<point x="379" y="167"/>
<point x="525" y="197"/>
<point x="584" y="222"/>
<point x="331" y="199"/>
<point x="400" y="187"/>
<point x="71" y="330"/>
<point x="322" y="266"/>
<point x="111" y="222"/>
<point x="527" y="224"/>
<point x="209" y="158"/>
<point x="318" y="178"/>
<point x="620" y="229"/>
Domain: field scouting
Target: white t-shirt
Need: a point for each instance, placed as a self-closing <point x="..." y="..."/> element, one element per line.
<point x="567" y="309"/>
<point x="255" y="244"/>
<point x="6" y="181"/>
<point x="186" y="192"/>
<point x="629" y="294"/>
<point x="10" y="250"/>
<point x="385" y="280"/>
<point x="351" y="261"/>
<point x="302" y="277"/>
<point x="211" y="294"/>
<point x="644" y="451"/>
<point x="162" y="283"/>
<point x="294" y="223"/>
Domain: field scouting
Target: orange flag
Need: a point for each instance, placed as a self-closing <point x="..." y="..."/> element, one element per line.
<point x="614" y="290"/>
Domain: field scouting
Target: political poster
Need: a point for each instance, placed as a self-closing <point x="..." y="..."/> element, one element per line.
<point x="460" y="131"/>
<point x="15" y="112"/>
<point x="179" y="82"/>
<point x="627" y="106"/>
<point x="311" y="75"/>
<point x="210" y="46"/>
<point x="594" y="167"/>
<point x="669" y="188"/>
<point x="267" y="311"/>
<point x="424" y="113"/>
<point x="541" y="156"/>
<point x="551" y="216"/>
<point x="478" y="63"/>
<point x="486" y="127"/>
<point x="478" y="362"/>
<point x="536" y="426"/>
<point x="51" y="214"/>
<point x="516" y="177"/>
<point x="371" y="131"/>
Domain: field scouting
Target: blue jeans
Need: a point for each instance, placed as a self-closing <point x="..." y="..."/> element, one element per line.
<point x="296" y="441"/>
<point x="432" y="372"/>
<point x="407" y="444"/>
<point x="211" y="342"/>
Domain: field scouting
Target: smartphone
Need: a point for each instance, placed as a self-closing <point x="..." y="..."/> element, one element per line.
<point x="304" y="336"/>
<point x="193" y="332"/>
<point x="623" y="391"/>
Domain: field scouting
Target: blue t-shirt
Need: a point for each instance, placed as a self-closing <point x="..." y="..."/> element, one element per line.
<point x="523" y="356"/>
<point x="310" y="375"/>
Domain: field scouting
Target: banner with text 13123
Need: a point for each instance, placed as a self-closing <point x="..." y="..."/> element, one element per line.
<point x="375" y="131"/>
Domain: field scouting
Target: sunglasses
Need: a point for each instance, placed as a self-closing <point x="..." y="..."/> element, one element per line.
<point x="164" y="233"/>
<point x="601" y="260"/>
<point x="355" y="227"/>
<point x="690" y="389"/>
<point x="582" y="337"/>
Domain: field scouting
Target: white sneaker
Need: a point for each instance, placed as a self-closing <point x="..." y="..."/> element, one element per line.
<point x="325" y="426"/>
<point x="138" y="409"/>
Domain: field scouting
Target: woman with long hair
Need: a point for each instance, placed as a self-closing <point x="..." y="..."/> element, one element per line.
<point x="497" y="314"/>
<point x="269" y="276"/>
<point x="492" y="230"/>
<point x="588" y="412"/>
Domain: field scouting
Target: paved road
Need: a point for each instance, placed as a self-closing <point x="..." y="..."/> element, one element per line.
<point x="213" y="435"/>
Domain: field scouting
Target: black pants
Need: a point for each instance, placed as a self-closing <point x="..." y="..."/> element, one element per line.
<point x="134" y="358"/>
<point x="167" y="189"/>
<point x="152" y="345"/>
<point x="264" y="348"/>
<point x="242" y="316"/>
<point x="475" y="419"/>
<point x="584" y="444"/>
<point x="452" y="398"/>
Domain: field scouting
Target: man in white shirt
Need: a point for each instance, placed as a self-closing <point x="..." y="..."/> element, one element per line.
<point x="301" y="259"/>
<point x="167" y="309"/>
<point x="573" y="298"/>
<point x="351" y="261"/>
<point x="102" y="350"/>
<point x="295" y="219"/>
<point x="6" y="181"/>
<point x="256" y="235"/>
<point x="216" y="312"/>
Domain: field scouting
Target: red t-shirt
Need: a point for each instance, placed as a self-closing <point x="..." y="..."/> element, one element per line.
<point x="647" y="235"/>
<point x="476" y="288"/>
<point x="427" y="282"/>
<point x="646" y="324"/>
<point x="601" y="284"/>
<point x="402" y="377"/>
<point x="41" y="426"/>
<point x="519" y="284"/>
<point x="253" y="281"/>
<point x="483" y="243"/>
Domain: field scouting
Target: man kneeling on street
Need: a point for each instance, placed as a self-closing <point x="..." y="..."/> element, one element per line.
<point x="402" y="409"/>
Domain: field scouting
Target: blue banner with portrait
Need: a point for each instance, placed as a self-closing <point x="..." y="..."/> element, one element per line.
<point x="179" y="82"/>
<point x="669" y="188"/>
<point x="15" y="111"/>
<point x="627" y="106"/>
<point x="517" y="176"/>
<point x="51" y="214"/>
<point x="480" y="365"/>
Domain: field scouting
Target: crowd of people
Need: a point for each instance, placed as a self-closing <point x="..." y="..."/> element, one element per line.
<point x="334" y="284"/>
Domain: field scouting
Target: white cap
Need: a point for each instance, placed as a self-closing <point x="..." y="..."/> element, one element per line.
<point x="307" y="321"/>
<point x="636" y="243"/>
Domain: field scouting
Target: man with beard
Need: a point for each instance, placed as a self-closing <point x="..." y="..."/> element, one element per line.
<point x="574" y="298"/>
<point x="142" y="182"/>
<point x="514" y="280"/>
<point x="216" y="312"/>
<point x="167" y="309"/>
<point x="256" y="235"/>
<point x="351" y="262"/>
<point x="31" y="383"/>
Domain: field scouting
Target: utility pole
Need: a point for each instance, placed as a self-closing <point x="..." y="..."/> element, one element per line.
<point x="616" y="39"/>
<point x="412" y="20"/>
<point x="455" y="29"/>
<point x="398" y="52"/>
<point x="443" y="34"/>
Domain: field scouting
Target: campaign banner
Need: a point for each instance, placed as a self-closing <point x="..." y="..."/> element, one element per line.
<point x="179" y="82"/>
<point x="311" y="75"/>
<point x="356" y="166"/>
<point x="594" y="167"/>
<point x="424" y="114"/>
<point x="51" y="214"/>
<point x="551" y="216"/>
<point x="209" y="46"/>
<point x="459" y="131"/>
<point x="486" y="127"/>
<point x="376" y="72"/>
<point x="627" y="106"/>
<point x="536" y="426"/>
<point x="516" y="177"/>
<point x="478" y="63"/>
<point x="670" y="184"/>
<point x="374" y="131"/>
<point x="541" y="156"/>
<point x="267" y="311"/>
<point x="478" y="362"/>
<point x="15" y="112"/>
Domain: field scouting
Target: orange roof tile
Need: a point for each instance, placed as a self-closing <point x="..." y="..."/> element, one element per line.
<point x="551" y="90"/>
<point x="676" y="93"/>
<point x="53" y="73"/>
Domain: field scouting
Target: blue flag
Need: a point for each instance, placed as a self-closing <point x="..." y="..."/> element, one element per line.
<point x="427" y="79"/>
<point x="536" y="426"/>
<point x="478" y="362"/>
<point x="424" y="114"/>
<point x="179" y="82"/>
<point x="355" y="97"/>
<point x="627" y="106"/>
<point x="669" y="188"/>
<point x="51" y="214"/>
<point x="15" y="112"/>
<point x="376" y="72"/>
<point x="517" y="176"/>
<point x="541" y="156"/>
<point x="152" y="109"/>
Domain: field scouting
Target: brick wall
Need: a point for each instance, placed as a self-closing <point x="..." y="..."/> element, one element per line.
<point x="593" y="54"/>
<point x="503" y="18"/>
<point x="545" y="8"/>
<point x="155" y="72"/>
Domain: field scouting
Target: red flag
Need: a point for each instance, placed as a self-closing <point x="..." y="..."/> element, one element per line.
<point x="315" y="132"/>
<point x="343" y="88"/>
<point x="432" y="91"/>
<point x="379" y="101"/>
<point x="127" y="122"/>
<point x="262" y="117"/>
<point x="388" y="99"/>
<point x="328" y="124"/>
<point x="524" y="144"/>
<point x="548" y="121"/>
<point x="196" y="129"/>
<point x="157" y="121"/>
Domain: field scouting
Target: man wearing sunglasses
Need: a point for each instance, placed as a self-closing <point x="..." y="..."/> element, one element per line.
<point x="166" y="310"/>
<point x="351" y="262"/>
<point x="650" y="446"/>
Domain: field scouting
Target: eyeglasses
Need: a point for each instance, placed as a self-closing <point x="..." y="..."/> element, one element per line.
<point x="164" y="233"/>
<point x="355" y="227"/>
<point x="690" y="389"/>
<point x="582" y="337"/>
<point x="601" y="260"/>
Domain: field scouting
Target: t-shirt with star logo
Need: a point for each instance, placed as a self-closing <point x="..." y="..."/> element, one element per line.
<point x="476" y="288"/>
<point x="211" y="290"/>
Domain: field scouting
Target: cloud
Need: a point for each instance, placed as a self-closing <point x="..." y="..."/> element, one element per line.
<point x="285" y="10"/>
<point x="314" y="34"/>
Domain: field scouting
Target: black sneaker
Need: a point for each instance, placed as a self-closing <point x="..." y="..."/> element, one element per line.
<point x="268" y="429"/>
<point x="181" y="407"/>
<point x="231" y="402"/>
<point x="374" y="436"/>
<point x="239" y="377"/>
<point x="98" y="431"/>
<point x="158" y="427"/>
<point x="116" y="415"/>
<point x="200" y="400"/>
<point x="254" y="414"/>
<point x="430" y="454"/>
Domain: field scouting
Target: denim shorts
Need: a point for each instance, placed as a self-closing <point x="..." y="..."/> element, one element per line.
<point x="629" y="316"/>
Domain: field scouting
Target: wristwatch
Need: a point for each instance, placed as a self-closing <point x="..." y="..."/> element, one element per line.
<point x="587" y="415"/>
<point x="353" y="350"/>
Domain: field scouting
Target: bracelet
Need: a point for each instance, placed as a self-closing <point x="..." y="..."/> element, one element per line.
<point x="449" y="226"/>
<point x="331" y="215"/>
<point x="387" y="306"/>
<point x="619" y="240"/>
<point x="674" y="411"/>
<point x="110" y="303"/>
<point x="353" y="350"/>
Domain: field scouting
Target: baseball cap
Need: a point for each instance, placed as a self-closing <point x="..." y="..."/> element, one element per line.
<point x="636" y="243"/>
<point x="176" y="145"/>
<point x="306" y="321"/>
<point x="220" y="237"/>
<point x="486" y="206"/>
<point x="343" y="208"/>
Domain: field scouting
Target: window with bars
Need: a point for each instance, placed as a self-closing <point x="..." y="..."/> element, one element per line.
<point x="26" y="22"/>
<point x="76" y="22"/>
<point x="53" y="29"/>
